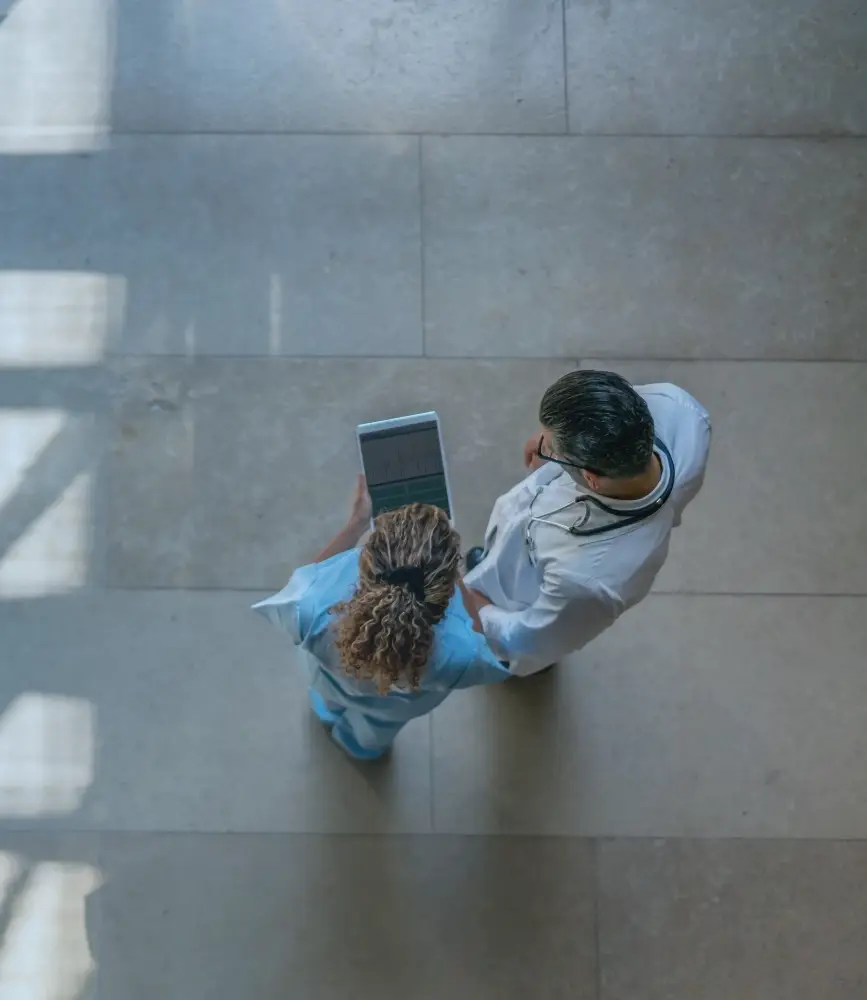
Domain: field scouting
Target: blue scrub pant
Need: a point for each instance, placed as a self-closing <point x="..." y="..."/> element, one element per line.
<point x="358" y="734"/>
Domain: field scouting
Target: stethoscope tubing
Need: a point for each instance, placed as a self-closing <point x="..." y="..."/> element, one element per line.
<point x="629" y="517"/>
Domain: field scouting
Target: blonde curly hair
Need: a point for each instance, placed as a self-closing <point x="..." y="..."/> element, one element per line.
<point x="384" y="633"/>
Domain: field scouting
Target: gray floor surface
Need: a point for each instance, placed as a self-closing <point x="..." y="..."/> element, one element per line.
<point x="229" y="232"/>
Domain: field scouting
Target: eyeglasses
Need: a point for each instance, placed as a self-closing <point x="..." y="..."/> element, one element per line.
<point x="559" y="461"/>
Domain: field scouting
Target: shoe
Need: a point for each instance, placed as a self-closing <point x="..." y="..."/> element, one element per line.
<point x="473" y="557"/>
<point x="349" y="746"/>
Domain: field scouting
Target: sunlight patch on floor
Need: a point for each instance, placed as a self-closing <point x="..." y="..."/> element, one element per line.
<point x="39" y="470"/>
<point x="46" y="754"/>
<point x="57" y="318"/>
<point x="56" y="76"/>
<point x="44" y="953"/>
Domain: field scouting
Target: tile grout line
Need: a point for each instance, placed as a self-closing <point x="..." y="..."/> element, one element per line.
<point x="597" y="937"/>
<point x="431" y="771"/>
<point x="10" y="832"/>
<point x="820" y="137"/>
<point x="421" y="251"/>
<point x="565" y="70"/>
<point x="516" y="358"/>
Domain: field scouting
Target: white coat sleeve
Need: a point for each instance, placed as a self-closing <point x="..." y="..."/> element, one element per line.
<point x="565" y="616"/>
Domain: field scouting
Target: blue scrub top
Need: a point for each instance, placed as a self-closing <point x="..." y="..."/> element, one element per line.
<point x="460" y="656"/>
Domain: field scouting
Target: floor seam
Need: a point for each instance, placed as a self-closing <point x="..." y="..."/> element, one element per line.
<point x="597" y="936"/>
<point x="565" y="69"/>
<point x="565" y="359"/>
<point x="819" y="137"/>
<point x="433" y="828"/>
<point x="421" y="240"/>
<point x="7" y="835"/>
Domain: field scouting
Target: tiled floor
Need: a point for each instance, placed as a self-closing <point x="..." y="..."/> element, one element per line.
<point x="229" y="232"/>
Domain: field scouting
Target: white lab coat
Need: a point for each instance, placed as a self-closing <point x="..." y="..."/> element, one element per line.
<point x="555" y="600"/>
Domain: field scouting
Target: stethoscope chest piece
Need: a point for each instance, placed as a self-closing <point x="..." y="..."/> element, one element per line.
<point x="582" y="518"/>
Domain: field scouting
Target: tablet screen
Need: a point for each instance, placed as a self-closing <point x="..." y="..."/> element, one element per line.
<point x="404" y="465"/>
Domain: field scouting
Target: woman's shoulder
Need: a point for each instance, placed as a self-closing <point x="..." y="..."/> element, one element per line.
<point x="343" y="566"/>
<point x="333" y="580"/>
<point x="303" y="605"/>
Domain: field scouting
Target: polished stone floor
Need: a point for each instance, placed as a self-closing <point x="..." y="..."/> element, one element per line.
<point x="228" y="233"/>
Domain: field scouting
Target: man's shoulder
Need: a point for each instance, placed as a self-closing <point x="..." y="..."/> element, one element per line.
<point x="668" y="396"/>
<point x="683" y="425"/>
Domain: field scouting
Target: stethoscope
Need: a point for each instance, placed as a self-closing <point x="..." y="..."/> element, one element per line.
<point x="623" y="518"/>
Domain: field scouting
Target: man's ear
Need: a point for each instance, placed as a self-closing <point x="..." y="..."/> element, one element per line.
<point x="592" y="480"/>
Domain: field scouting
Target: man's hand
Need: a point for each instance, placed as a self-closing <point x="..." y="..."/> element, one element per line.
<point x="360" y="508"/>
<point x="479" y="598"/>
<point x="531" y="454"/>
<point x="473" y="600"/>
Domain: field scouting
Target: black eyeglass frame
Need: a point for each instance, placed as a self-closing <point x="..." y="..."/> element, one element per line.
<point x="563" y="462"/>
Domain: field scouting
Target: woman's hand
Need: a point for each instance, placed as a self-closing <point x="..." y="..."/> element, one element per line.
<point x="360" y="508"/>
<point x="479" y="599"/>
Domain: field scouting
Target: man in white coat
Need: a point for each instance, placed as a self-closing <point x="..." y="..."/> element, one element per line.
<point x="581" y="539"/>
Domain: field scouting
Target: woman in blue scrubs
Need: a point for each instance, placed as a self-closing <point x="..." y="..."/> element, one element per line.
<point x="387" y="627"/>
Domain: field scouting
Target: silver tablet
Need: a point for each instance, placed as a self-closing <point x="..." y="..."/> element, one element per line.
<point x="403" y="462"/>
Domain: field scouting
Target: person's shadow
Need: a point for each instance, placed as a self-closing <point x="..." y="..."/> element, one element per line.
<point x="528" y="707"/>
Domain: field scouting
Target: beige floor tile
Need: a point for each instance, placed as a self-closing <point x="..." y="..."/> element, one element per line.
<point x="739" y="68"/>
<point x="336" y="65"/>
<point x="330" y="917"/>
<point x="692" y="716"/>
<point x="230" y="473"/>
<point x="644" y="247"/>
<point x="717" y="920"/>
<point x="180" y="711"/>
<point x="214" y="244"/>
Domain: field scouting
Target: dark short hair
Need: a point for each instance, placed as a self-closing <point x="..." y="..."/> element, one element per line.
<point x="600" y="423"/>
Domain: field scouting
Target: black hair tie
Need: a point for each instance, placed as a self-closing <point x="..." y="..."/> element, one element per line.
<point x="412" y="576"/>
